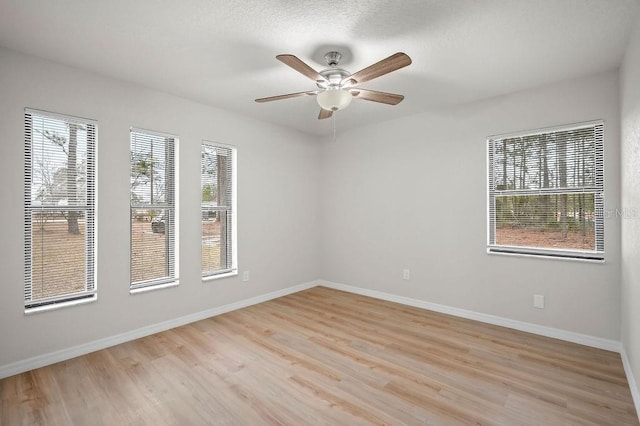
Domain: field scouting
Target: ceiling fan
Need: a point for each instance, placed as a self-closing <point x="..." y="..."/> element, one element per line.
<point x="337" y="87"/>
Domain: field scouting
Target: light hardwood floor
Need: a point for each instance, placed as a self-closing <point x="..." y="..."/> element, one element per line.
<point x="327" y="357"/>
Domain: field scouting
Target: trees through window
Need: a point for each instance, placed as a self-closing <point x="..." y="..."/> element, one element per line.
<point x="217" y="207"/>
<point x="546" y="192"/>
<point x="59" y="208"/>
<point x="153" y="209"/>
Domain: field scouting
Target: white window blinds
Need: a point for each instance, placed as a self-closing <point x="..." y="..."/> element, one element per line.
<point x="546" y="192"/>
<point x="59" y="208"/>
<point x="153" y="209"/>
<point x="217" y="206"/>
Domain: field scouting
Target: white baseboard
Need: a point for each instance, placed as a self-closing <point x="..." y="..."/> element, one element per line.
<point x="569" y="336"/>
<point x="633" y="385"/>
<point x="65" y="354"/>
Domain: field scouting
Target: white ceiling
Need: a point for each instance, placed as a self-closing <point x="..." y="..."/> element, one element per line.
<point x="222" y="52"/>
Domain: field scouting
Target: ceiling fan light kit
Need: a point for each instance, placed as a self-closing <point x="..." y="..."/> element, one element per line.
<point x="334" y="99"/>
<point x="337" y="87"/>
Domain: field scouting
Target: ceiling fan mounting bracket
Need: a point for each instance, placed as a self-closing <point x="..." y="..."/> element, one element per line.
<point x="332" y="58"/>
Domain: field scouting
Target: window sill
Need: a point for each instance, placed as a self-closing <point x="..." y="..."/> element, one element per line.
<point x="546" y="257"/>
<point x="215" y="277"/>
<point x="154" y="287"/>
<point x="61" y="305"/>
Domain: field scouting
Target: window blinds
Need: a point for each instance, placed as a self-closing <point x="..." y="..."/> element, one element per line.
<point x="546" y="192"/>
<point x="153" y="212"/>
<point x="216" y="177"/>
<point x="59" y="208"/>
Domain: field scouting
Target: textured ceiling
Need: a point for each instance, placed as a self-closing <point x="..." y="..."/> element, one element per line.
<point x="222" y="52"/>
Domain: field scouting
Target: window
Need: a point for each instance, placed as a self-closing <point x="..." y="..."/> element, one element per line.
<point x="153" y="209"/>
<point x="546" y="192"/>
<point x="217" y="183"/>
<point x="59" y="209"/>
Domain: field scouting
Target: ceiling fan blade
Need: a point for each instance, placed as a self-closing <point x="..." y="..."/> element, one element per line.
<point x="372" y="95"/>
<point x="287" y="96"/>
<point x="297" y="64"/>
<point x="385" y="66"/>
<point x="324" y="114"/>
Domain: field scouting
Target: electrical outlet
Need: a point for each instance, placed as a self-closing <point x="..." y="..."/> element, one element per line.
<point x="245" y="276"/>
<point x="406" y="274"/>
<point x="538" y="301"/>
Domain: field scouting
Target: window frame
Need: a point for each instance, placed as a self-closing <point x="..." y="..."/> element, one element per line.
<point x="598" y="189"/>
<point x="90" y="292"/>
<point x="170" y="204"/>
<point x="231" y="215"/>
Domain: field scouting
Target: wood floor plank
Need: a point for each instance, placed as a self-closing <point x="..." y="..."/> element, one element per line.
<point x="326" y="357"/>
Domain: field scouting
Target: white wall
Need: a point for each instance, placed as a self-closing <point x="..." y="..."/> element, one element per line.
<point x="411" y="193"/>
<point x="630" y="100"/>
<point x="277" y="205"/>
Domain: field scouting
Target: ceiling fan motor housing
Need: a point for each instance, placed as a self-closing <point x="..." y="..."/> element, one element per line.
<point x="333" y="76"/>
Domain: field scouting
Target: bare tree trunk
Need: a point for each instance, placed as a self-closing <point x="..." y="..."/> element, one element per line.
<point x="152" y="171"/>
<point x="562" y="170"/>
<point x="222" y="163"/>
<point x="516" y="207"/>
<point x="504" y="164"/>
<point x="72" y="190"/>
<point x="523" y="162"/>
<point x="545" y="179"/>
<point x="583" y="222"/>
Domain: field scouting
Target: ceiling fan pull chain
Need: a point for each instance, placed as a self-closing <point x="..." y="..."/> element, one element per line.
<point x="334" y="127"/>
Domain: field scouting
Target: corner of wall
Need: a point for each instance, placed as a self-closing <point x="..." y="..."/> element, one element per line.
<point x="630" y="199"/>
